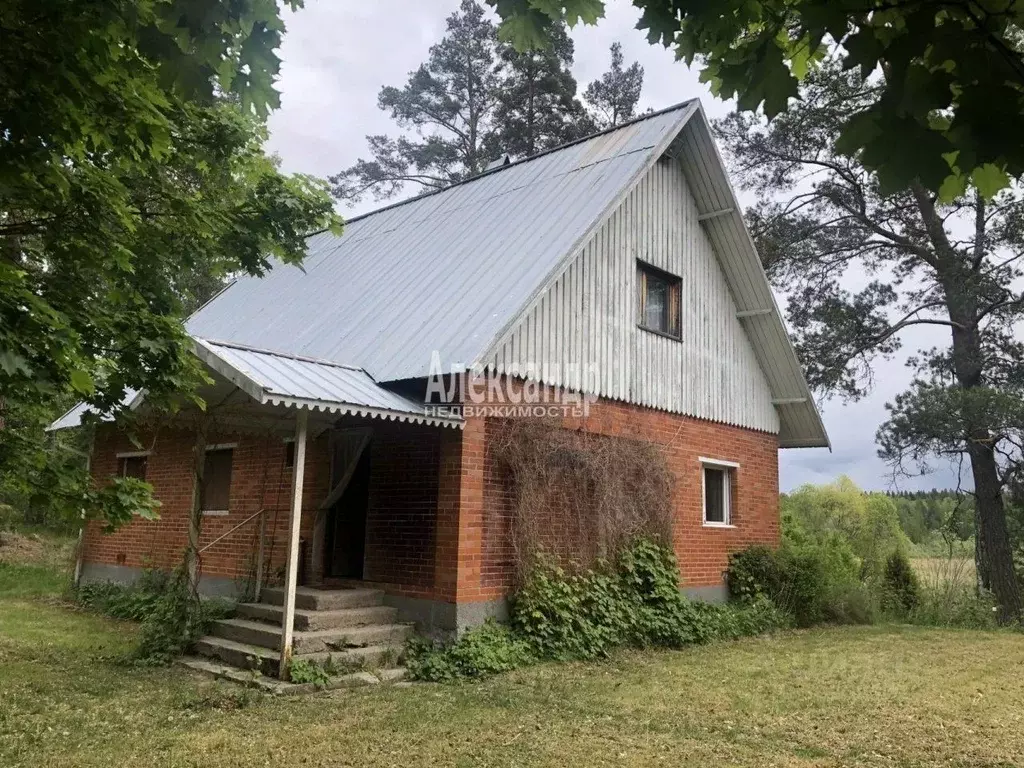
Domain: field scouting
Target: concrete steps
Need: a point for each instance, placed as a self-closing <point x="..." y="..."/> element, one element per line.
<point x="312" y="620"/>
<point x="254" y="657"/>
<point x="344" y="628"/>
<point x="269" y="636"/>
<point x="313" y="599"/>
<point x="221" y="671"/>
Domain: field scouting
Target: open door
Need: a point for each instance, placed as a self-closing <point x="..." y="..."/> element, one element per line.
<point x="346" y="525"/>
<point x="348" y="449"/>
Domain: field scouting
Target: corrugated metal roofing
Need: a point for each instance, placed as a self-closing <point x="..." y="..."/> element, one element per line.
<point x="449" y="271"/>
<point x="442" y="272"/>
<point x="799" y="419"/>
<point x="277" y="379"/>
<point x="73" y="416"/>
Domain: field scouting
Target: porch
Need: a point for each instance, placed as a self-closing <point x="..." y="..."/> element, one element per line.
<point x="309" y="475"/>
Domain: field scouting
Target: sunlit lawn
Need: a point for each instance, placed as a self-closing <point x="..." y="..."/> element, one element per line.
<point x="861" y="696"/>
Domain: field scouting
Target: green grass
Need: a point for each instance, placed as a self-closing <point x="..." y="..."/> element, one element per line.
<point x="876" y="696"/>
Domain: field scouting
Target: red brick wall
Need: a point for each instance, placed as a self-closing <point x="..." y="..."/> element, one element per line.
<point x="438" y="522"/>
<point x="702" y="551"/>
<point x="258" y="479"/>
<point x="402" y="514"/>
<point x="401" y="518"/>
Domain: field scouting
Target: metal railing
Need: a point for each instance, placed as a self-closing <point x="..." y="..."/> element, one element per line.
<point x="259" y="553"/>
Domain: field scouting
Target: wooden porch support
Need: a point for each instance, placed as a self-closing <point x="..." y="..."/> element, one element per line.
<point x="292" y="567"/>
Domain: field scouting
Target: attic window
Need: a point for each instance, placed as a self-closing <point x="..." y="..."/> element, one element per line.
<point x="659" y="300"/>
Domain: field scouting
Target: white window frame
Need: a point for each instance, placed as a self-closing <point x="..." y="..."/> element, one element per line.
<point x="728" y="476"/>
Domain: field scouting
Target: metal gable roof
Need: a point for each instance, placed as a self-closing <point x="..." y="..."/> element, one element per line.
<point x="800" y="422"/>
<point x="442" y="272"/>
<point x="446" y="272"/>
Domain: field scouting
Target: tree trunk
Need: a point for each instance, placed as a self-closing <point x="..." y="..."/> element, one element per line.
<point x="995" y="539"/>
<point x="993" y="554"/>
<point x="982" y="567"/>
<point x="195" y="519"/>
<point x="959" y="280"/>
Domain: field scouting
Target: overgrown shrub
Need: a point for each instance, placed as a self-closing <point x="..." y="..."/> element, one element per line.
<point x="125" y="601"/>
<point x="562" y="616"/>
<point x="484" y="650"/>
<point x="172" y="616"/>
<point x="306" y="671"/>
<point x="179" y="618"/>
<point x="957" y="607"/>
<point x="901" y="589"/>
<point x="814" y="582"/>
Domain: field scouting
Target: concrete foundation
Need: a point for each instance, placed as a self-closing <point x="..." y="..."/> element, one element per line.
<point x="435" y="618"/>
<point x="441" y="619"/>
<point x="209" y="586"/>
<point x="716" y="593"/>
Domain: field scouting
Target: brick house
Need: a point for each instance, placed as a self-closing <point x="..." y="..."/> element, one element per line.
<point x="617" y="267"/>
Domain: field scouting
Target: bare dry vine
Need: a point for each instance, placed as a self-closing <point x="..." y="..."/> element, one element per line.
<point x="579" y="497"/>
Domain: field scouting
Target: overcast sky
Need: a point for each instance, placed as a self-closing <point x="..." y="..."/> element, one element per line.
<point x="338" y="53"/>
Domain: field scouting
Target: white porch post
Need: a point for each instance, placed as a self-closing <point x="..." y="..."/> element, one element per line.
<point x="292" y="567"/>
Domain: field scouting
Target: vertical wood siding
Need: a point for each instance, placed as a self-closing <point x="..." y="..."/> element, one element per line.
<point x="587" y="320"/>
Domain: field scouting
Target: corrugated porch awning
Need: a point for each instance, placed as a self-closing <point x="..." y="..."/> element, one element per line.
<point x="273" y="378"/>
<point x="277" y="379"/>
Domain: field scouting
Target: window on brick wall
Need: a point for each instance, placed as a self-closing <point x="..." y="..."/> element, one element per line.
<point x="217" y="479"/>
<point x="659" y="300"/>
<point x="289" y="453"/>
<point x="133" y="465"/>
<point x="719" y="482"/>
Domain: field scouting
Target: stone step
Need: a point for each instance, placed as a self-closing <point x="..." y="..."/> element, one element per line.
<point x="313" y="620"/>
<point x="245" y="656"/>
<point x="314" y="641"/>
<point x="240" y="655"/>
<point x="313" y="599"/>
<point x="220" y="671"/>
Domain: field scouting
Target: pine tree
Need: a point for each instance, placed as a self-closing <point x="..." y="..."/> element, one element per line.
<point x="822" y="221"/>
<point x="537" y="105"/>
<point x="448" y="103"/>
<point x="614" y="96"/>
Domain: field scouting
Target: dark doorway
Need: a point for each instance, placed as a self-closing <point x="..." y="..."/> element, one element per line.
<point x="346" y="525"/>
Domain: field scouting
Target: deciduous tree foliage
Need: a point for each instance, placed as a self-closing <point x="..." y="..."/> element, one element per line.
<point x="953" y="97"/>
<point x="130" y="163"/>
<point x="824" y="224"/>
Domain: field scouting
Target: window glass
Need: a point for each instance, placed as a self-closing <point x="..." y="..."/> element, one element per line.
<point x="660" y="295"/>
<point x="716" y="495"/>
<point x="217" y="480"/>
<point x="656" y="309"/>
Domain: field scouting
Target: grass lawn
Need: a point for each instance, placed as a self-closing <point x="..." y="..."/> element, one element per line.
<point x="858" y="696"/>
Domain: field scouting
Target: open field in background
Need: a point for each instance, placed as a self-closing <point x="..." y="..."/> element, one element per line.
<point x="864" y="696"/>
<point x="940" y="570"/>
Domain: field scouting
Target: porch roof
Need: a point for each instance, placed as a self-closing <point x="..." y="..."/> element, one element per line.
<point x="275" y="378"/>
<point x="278" y="379"/>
